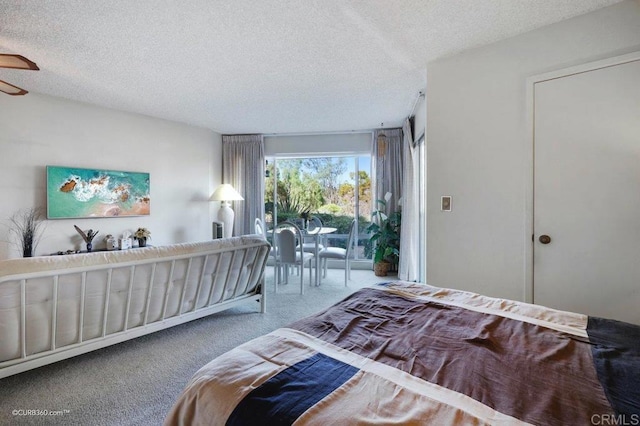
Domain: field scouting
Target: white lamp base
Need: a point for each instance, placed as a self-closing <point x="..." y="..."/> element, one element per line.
<point x="226" y="216"/>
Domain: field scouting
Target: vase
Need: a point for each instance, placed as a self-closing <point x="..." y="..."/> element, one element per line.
<point x="142" y="242"/>
<point x="27" y="249"/>
<point x="381" y="268"/>
<point x="89" y="247"/>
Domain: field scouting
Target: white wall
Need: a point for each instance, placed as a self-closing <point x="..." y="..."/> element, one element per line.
<point x="477" y="144"/>
<point x="183" y="162"/>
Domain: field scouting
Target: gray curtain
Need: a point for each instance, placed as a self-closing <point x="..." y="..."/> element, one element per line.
<point x="387" y="163"/>
<point x="409" y="267"/>
<point x="243" y="167"/>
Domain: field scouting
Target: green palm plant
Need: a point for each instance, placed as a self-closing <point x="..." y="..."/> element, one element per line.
<point x="385" y="233"/>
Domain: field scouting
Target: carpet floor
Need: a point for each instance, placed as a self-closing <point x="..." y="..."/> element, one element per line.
<point x="136" y="382"/>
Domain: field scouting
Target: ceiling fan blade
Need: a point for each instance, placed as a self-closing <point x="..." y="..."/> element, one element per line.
<point x="10" y="89"/>
<point x="17" y="62"/>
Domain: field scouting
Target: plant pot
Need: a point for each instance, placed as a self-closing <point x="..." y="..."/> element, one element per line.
<point x="142" y="242"/>
<point x="380" y="269"/>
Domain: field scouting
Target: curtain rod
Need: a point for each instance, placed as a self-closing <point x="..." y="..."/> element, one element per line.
<point x="415" y="103"/>
<point x="336" y="132"/>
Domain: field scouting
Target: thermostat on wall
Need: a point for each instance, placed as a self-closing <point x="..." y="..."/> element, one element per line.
<point x="445" y="203"/>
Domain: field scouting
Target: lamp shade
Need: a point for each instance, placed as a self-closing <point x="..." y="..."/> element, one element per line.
<point x="225" y="192"/>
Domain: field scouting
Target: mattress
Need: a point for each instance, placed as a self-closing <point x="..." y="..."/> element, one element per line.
<point x="407" y="353"/>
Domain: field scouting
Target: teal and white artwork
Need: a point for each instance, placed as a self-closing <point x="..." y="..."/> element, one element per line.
<point x="75" y="193"/>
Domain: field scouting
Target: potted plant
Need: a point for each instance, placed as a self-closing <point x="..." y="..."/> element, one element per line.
<point x="27" y="226"/>
<point x="141" y="235"/>
<point x="385" y="236"/>
<point x="87" y="237"/>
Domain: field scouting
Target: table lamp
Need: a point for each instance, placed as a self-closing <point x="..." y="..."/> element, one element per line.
<point x="225" y="193"/>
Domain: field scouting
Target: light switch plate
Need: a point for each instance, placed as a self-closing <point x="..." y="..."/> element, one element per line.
<point x="445" y="203"/>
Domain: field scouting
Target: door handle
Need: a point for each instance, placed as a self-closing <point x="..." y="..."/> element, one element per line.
<point x="544" y="239"/>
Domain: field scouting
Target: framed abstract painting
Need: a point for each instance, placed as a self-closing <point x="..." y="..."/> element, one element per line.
<point x="88" y="193"/>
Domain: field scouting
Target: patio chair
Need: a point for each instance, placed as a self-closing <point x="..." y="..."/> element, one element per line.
<point x="340" y="254"/>
<point x="289" y="252"/>
<point x="309" y="244"/>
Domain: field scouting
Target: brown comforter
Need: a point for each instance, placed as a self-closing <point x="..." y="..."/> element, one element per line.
<point x="406" y="353"/>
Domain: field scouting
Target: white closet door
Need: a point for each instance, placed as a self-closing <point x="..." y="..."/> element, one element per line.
<point x="587" y="192"/>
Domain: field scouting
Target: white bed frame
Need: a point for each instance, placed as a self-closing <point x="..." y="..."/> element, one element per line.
<point x="70" y="305"/>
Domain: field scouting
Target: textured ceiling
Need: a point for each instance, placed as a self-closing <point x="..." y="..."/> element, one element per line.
<point x="255" y="66"/>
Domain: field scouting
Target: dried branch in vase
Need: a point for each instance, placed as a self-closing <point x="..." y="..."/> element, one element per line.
<point x="27" y="226"/>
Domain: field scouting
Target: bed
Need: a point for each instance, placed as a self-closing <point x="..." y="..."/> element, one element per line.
<point x="408" y="353"/>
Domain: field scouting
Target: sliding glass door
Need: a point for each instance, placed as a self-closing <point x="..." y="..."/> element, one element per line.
<point x="336" y="189"/>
